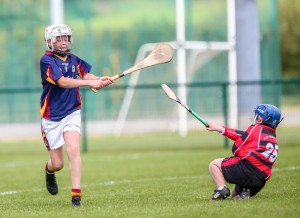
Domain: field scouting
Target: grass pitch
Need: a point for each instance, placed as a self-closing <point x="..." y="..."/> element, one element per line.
<point x="160" y="175"/>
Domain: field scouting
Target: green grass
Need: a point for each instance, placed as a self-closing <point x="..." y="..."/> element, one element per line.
<point x="160" y="175"/>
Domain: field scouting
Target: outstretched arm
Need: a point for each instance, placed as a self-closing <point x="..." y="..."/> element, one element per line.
<point x="99" y="83"/>
<point x="228" y="132"/>
<point x="215" y="127"/>
<point x="105" y="79"/>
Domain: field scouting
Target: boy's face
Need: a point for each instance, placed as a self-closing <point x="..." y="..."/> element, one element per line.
<point x="259" y="119"/>
<point x="61" y="43"/>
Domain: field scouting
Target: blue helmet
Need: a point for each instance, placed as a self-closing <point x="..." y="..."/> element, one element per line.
<point x="270" y="114"/>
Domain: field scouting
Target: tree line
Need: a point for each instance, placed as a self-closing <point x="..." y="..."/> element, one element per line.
<point x="289" y="31"/>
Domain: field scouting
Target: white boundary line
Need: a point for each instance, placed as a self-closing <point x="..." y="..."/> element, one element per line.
<point x="133" y="156"/>
<point x="128" y="181"/>
<point x="109" y="183"/>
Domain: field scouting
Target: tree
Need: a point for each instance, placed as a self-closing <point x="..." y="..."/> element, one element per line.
<point x="289" y="22"/>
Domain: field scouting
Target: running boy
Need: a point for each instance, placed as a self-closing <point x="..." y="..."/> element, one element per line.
<point x="61" y="103"/>
<point x="255" y="151"/>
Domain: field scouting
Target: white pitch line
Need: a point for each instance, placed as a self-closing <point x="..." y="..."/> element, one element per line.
<point x="290" y="168"/>
<point x="109" y="183"/>
<point x="9" y="192"/>
<point x="100" y="158"/>
<point x="144" y="180"/>
<point x="127" y="181"/>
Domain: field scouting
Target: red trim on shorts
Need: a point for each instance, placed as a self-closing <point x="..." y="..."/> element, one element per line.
<point x="45" y="140"/>
<point x="230" y="161"/>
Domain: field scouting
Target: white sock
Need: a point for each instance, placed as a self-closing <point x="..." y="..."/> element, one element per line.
<point x="220" y="187"/>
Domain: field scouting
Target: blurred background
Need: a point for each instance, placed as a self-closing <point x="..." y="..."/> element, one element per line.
<point x="110" y="34"/>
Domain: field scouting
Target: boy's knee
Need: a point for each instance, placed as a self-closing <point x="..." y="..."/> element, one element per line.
<point x="215" y="164"/>
<point x="57" y="166"/>
<point x="73" y="151"/>
<point x="211" y="166"/>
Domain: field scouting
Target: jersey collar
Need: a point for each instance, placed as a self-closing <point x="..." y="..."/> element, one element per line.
<point x="49" y="53"/>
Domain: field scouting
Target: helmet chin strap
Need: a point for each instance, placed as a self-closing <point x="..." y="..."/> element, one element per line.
<point x="61" y="53"/>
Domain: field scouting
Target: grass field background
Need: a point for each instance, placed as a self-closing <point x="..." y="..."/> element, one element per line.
<point x="159" y="175"/>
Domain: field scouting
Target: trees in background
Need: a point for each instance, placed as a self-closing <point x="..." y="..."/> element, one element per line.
<point x="289" y="28"/>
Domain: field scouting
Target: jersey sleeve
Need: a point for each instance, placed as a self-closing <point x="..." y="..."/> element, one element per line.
<point x="232" y="133"/>
<point x="50" y="72"/>
<point x="83" y="67"/>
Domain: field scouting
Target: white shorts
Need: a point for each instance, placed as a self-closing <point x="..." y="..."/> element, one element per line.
<point x="52" y="132"/>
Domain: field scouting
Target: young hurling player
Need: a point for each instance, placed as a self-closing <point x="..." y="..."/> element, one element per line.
<point x="61" y="103"/>
<point x="255" y="151"/>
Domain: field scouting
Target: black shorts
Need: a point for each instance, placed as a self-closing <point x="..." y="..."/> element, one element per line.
<point x="243" y="174"/>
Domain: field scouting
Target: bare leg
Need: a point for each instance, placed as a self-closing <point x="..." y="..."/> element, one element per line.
<point x="216" y="172"/>
<point x="56" y="161"/>
<point x="72" y="139"/>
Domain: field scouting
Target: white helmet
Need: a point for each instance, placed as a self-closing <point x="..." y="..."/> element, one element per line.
<point x="51" y="32"/>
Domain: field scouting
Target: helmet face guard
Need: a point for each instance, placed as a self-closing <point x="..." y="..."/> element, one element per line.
<point x="57" y="30"/>
<point x="270" y="115"/>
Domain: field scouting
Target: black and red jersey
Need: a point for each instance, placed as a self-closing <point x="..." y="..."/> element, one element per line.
<point x="258" y="145"/>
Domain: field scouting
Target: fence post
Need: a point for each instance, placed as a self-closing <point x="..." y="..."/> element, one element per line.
<point x="84" y="126"/>
<point x="225" y="109"/>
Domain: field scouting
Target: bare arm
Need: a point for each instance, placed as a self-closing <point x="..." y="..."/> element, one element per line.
<point x="215" y="127"/>
<point x="65" y="82"/>
<point x="105" y="79"/>
<point x="90" y="76"/>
